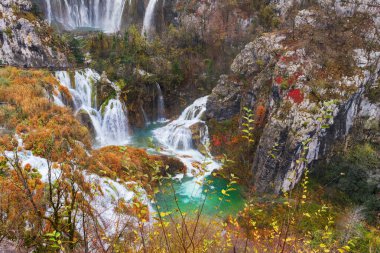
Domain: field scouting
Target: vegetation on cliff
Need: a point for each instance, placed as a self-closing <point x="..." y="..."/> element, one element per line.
<point x="293" y="123"/>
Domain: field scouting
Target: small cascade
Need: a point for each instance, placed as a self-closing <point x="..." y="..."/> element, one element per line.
<point x="178" y="137"/>
<point x="148" y="28"/>
<point x="48" y="11"/>
<point x="146" y="119"/>
<point x="104" y="202"/>
<point x="160" y="104"/>
<point x="110" y="129"/>
<point x="177" y="134"/>
<point x="115" y="123"/>
<point x="105" y="15"/>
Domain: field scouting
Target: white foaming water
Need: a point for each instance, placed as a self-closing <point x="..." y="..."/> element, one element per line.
<point x="148" y="18"/>
<point x="160" y="104"/>
<point x="104" y="203"/>
<point x="177" y="137"/>
<point x="105" y="15"/>
<point x="177" y="134"/>
<point x="115" y="123"/>
<point x="146" y="119"/>
<point x="110" y="129"/>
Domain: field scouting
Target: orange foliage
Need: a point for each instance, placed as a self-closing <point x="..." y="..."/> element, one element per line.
<point x="260" y="115"/>
<point x="16" y="207"/>
<point x="53" y="132"/>
<point x="37" y="120"/>
<point x="130" y="164"/>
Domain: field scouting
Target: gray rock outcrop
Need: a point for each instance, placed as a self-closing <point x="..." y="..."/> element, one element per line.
<point x="306" y="114"/>
<point x="26" y="41"/>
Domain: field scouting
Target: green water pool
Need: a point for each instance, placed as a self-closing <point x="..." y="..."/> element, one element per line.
<point x="191" y="196"/>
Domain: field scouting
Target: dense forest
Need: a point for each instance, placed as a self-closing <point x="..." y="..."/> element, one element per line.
<point x="190" y="126"/>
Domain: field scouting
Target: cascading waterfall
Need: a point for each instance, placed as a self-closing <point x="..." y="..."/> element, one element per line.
<point x="48" y="11"/>
<point x="146" y="119"/>
<point x="110" y="129"/>
<point x="148" y="18"/>
<point x="177" y="136"/>
<point x="115" y="123"/>
<point x="104" y="204"/>
<point x="105" y="15"/>
<point x="160" y="104"/>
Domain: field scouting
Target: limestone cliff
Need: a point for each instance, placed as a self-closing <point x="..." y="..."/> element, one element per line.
<point x="314" y="87"/>
<point x="25" y="40"/>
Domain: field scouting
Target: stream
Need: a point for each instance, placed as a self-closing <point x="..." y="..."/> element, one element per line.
<point x="175" y="138"/>
<point x="189" y="193"/>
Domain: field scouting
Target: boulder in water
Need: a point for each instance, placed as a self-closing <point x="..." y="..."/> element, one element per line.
<point x="197" y="131"/>
<point x="85" y="119"/>
<point x="104" y="90"/>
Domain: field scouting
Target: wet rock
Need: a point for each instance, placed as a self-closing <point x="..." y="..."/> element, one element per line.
<point x="133" y="14"/>
<point x="175" y="166"/>
<point x="104" y="90"/>
<point x="85" y="119"/>
<point x="198" y="131"/>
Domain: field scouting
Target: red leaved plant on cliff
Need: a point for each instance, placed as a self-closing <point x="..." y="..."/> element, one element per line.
<point x="278" y="80"/>
<point x="296" y="95"/>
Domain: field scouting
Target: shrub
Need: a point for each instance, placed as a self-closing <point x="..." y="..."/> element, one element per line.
<point x="350" y="174"/>
<point x="4" y="81"/>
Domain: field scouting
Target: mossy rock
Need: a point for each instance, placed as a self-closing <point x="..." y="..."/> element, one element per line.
<point x="84" y="117"/>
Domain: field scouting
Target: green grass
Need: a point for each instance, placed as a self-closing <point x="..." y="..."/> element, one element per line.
<point x="4" y="81"/>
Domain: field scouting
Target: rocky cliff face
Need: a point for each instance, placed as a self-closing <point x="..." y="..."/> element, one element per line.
<point x="310" y="102"/>
<point x="26" y="41"/>
<point x="214" y="20"/>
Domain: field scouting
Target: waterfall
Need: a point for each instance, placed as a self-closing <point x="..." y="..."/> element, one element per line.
<point x="110" y="129"/>
<point x="105" y="15"/>
<point x="160" y="104"/>
<point x="177" y="137"/>
<point x="104" y="203"/>
<point x="115" y="122"/>
<point x="48" y="11"/>
<point x="177" y="134"/>
<point x="146" y="119"/>
<point x="148" y="18"/>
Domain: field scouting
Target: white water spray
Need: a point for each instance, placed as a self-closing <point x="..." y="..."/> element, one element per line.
<point x="177" y="137"/>
<point x="110" y="129"/>
<point x="148" y="28"/>
<point x="160" y="104"/>
<point x="146" y="119"/>
<point x="105" y="15"/>
<point x="115" y="123"/>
